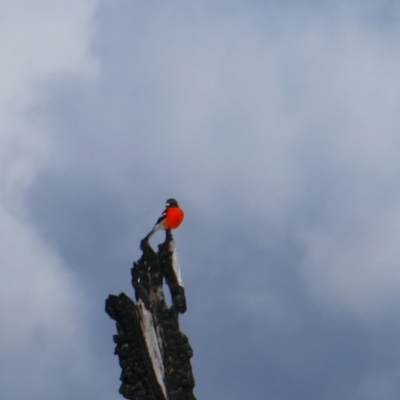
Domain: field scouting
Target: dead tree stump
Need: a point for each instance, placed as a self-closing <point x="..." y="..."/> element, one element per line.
<point x="153" y="353"/>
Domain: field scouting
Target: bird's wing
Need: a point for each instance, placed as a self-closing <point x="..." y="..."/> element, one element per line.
<point x="163" y="215"/>
<point x="157" y="225"/>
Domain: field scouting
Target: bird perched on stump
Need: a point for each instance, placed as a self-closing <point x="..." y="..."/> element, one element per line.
<point x="171" y="218"/>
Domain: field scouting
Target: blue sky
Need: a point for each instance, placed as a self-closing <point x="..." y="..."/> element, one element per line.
<point x="274" y="124"/>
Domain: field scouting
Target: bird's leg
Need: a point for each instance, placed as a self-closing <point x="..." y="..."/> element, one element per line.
<point x="168" y="235"/>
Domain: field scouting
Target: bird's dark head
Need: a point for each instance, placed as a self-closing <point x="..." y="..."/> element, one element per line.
<point x="171" y="203"/>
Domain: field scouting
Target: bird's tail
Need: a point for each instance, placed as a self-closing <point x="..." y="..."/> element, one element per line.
<point x="156" y="228"/>
<point x="150" y="234"/>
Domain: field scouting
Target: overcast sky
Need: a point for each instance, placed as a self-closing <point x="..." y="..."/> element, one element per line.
<point x="275" y="124"/>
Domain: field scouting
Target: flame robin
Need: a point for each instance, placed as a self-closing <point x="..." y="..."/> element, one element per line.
<point x="171" y="218"/>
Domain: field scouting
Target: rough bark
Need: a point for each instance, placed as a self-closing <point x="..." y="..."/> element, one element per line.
<point x="154" y="354"/>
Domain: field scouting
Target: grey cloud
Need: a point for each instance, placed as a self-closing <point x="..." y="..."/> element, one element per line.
<point x="279" y="137"/>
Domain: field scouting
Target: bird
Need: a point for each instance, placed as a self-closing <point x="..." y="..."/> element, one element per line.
<point x="171" y="218"/>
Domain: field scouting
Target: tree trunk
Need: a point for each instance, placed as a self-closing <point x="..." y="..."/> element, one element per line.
<point x="154" y="354"/>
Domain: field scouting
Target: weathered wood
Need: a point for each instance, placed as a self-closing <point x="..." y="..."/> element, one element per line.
<point x="154" y="354"/>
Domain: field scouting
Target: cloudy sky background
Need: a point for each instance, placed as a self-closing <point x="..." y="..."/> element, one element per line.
<point x="276" y="126"/>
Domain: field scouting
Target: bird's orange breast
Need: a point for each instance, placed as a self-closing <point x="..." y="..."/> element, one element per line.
<point x="173" y="218"/>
